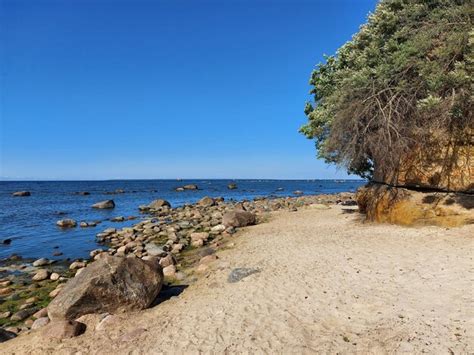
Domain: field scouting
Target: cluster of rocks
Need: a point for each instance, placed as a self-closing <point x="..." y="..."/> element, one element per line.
<point x="127" y="274"/>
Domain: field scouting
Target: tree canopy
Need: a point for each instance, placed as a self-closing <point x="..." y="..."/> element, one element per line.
<point x="403" y="80"/>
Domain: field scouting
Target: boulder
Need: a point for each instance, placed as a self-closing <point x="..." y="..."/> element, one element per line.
<point x="66" y="223"/>
<point x="23" y="314"/>
<point x="156" y="204"/>
<point x="6" y="335"/>
<point x="154" y="250"/>
<point x="190" y="187"/>
<point x="110" y="284"/>
<point x="382" y="203"/>
<point x="21" y="194"/>
<point x="238" y="218"/>
<point x="107" y="204"/>
<point x="63" y="329"/>
<point x="41" y="274"/>
<point x="40" y="262"/>
<point x="206" y="202"/>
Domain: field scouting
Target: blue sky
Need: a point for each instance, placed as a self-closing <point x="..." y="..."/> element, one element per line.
<point x="164" y="89"/>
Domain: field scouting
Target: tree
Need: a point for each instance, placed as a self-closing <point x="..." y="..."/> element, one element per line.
<point x="402" y="82"/>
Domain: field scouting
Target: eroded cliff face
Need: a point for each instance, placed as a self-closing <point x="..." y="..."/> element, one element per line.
<point x="429" y="187"/>
<point x="382" y="203"/>
<point x="447" y="166"/>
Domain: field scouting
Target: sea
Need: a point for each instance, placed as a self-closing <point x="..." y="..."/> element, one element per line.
<point x="28" y="224"/>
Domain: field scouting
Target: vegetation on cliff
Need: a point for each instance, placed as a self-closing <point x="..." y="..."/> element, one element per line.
<point x="401" y="83"/>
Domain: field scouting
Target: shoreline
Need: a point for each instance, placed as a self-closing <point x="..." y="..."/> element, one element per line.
<point x="326" y="283"/>
<point x="162" y="232"/>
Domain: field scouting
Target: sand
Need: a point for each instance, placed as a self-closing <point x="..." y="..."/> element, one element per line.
<point x="328" y="283"/>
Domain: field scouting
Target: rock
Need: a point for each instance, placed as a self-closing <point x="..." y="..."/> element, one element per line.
<point x="84" y="224"/>
<point x="110" y="284"/>
<point x="169" y="271"/>
<point x="206" y="202"/>
<point x="167" y="260"/>
<point x="199" y="236"/>
<point x="240" y="273"/>
<point x="218" y="228"/>
<point x="23" y="314"/>
<point x="238" y="218"/>
<point x="62" y="329"/>
<point x="77" y="265"/>
<point x="154" y="250"/>
<point x="5" y="283"/>
<point x="66" y="223"/>
<point x="5" y="314"/>
<point x="157" y="204"/>
<point x="177" y="248"/>
<point x="40" y="322"/>
<point x="6" y="241"/>
<point x="82" y="193"/>
<point x="382" y="203"/>
<point x="348" y="203"/>
<point x="56" y="291"/>
<point x="298" y="192"/>
<point x="54" y="276"/>
<point x="104" y="204"/>
<point x="57" y="253"/>
<point x="41" y="313"/>
<point x="232" y="186"/>
<point x="6" y="335"/>
<point x="179" y="189"/>
<point x="118" y="219"/>
<point x="21" y="194"/>
<point x="190" y="187"/>
<point x="40" y="262"/>
<point x="41" y="274"/>
<point x="197" y="243"/>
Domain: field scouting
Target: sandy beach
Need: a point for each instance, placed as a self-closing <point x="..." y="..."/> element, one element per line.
<point x="327" y="283"/>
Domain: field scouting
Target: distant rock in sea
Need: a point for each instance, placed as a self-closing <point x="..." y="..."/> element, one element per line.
<point x="21" y="194"/>
<point x="104" y="204"/>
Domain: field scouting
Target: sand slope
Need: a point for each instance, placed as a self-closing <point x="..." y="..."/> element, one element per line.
<point x="328" y="284"/>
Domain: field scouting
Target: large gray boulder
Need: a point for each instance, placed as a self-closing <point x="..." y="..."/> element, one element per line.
<point x="238" y="218"/>
<point x="104" y="204"/>
<point x="110" y="284"/>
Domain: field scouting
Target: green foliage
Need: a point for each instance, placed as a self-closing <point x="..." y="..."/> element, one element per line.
<point x="404" y="78"/>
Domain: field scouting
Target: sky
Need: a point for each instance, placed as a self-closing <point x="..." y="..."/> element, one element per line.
<point x="164" y="89"/>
